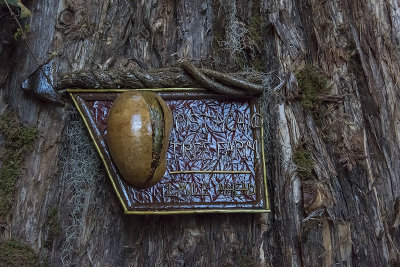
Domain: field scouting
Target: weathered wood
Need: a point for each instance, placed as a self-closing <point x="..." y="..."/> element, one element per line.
<point x="346" y="212"/>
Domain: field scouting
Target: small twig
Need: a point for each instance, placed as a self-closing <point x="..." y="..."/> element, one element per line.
<point x="2" y="15"/>
<point x="22" y="31"/>
<point x="279" y="86"/>
<point x="210" y="84"/>
<point x="15" y="18"/>
<point x="27" y="45"/>
<point x="33" y="55"/>
<point x="233" y="81"/>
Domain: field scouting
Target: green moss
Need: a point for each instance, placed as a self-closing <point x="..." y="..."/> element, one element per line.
<point x="255" y="32"/>
<point x="241" y="61"/>
<point x="304" y="162"/>
<point x="252" y="52"/>
<point x="246" y="261"/>
<point x="17" y="141"/>
<point x="255" y="29"/>
<point x="52" y="221"/>
<point x="217" y="50"/>
<point x="14" y="253"/>
<point x="313" y="83"/>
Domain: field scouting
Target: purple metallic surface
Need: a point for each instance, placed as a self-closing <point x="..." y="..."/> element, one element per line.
<point x="200" y="190"/>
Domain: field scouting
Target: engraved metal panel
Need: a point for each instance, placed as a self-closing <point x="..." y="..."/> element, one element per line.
<point x="215" y="160"/>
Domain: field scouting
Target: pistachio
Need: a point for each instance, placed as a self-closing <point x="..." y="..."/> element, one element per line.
<point x="138" y="129"/>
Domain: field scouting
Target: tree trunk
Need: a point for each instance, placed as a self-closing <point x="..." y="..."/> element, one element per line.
<point x="333" y="165"/>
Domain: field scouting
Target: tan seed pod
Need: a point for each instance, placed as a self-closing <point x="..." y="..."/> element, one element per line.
<point x="138" y="129"/>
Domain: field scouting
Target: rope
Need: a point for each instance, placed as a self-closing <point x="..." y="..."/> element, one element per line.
<point x="187" y="75"/>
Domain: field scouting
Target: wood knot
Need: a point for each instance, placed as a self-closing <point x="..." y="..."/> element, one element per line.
<point x="66" y="17"/>
<point x="313" y="196"/>
<point x="74" y="23"/>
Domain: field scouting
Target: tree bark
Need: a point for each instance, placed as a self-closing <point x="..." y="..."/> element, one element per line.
<point x="346" y="212"/>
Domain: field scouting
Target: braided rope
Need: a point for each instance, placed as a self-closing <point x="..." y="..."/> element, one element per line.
<point x="239" y="85"/>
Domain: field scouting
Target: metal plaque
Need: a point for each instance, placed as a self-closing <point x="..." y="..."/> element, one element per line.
<point x="215" y="160"/>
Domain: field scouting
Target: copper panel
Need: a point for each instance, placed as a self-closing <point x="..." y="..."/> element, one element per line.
<point x="215" y="160"/>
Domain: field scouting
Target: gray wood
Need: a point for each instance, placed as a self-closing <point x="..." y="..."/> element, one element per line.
<point x="346" y="214"/>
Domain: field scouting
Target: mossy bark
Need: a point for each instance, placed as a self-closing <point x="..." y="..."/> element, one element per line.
<point x="346" y="212"/>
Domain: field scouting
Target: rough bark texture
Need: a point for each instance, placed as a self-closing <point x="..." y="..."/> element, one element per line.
<point x="345" y="211"/>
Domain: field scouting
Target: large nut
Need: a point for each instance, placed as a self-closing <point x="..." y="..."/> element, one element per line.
<point x="138" y="129"/>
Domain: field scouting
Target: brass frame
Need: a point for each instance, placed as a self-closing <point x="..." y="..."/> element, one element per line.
<point x="166" y="212"/>
<point x="236" y="172"/>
